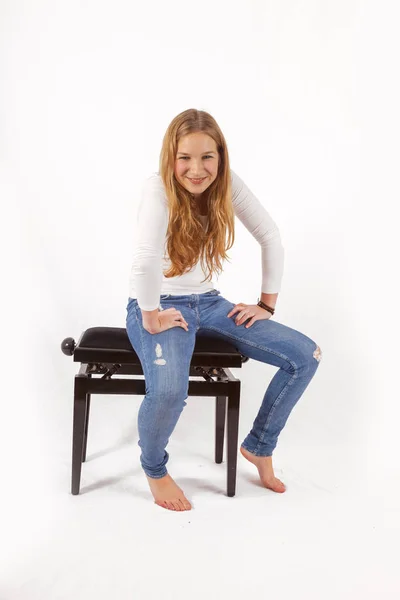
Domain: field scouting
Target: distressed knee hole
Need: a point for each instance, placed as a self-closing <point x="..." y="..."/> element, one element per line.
<point x="159" y="360"/>
<point x="317" y="354"/>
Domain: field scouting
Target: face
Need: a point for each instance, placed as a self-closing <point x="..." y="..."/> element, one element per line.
<point x="196" y="158"/>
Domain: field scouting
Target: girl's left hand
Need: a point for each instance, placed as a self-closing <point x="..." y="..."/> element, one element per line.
<point x="247" y="311"/>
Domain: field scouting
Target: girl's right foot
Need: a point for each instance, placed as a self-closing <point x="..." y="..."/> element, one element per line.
<point x="168" y="494"/>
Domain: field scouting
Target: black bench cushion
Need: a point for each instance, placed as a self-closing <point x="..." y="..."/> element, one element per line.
<point x="112" y="345"/>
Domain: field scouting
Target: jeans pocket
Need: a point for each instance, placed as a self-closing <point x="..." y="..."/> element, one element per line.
<point x="164" y="296"/>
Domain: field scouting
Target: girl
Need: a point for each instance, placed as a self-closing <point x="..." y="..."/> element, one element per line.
<point x="186" y="213"/>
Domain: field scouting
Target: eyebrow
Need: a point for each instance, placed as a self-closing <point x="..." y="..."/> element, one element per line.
<point x="210" y="152"/>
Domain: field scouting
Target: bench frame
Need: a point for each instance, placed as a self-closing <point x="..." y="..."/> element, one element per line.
<point x="99" y="378"/>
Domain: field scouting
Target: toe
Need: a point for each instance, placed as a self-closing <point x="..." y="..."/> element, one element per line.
<point x="280" y="485"/>
<point x="274" y="484"/>
<point x="185" y="504"/>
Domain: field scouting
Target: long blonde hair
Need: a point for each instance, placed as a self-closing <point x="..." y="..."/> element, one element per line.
<point x="186" y="239"/>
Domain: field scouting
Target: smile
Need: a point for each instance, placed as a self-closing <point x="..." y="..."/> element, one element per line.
<point x="196" y="181"/>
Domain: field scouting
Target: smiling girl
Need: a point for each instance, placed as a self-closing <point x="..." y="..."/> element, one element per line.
<point x="186" y="221"/>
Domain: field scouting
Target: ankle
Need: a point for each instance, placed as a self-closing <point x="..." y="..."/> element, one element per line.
<point x="156" y="479"/>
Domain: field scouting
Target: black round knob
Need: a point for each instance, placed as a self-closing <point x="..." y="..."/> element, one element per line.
<point x="68" y="346"/>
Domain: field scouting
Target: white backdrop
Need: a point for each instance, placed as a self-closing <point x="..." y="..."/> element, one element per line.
<point x="307" y="95"/>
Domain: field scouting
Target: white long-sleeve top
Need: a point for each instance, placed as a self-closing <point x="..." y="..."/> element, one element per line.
<point x="150" y="259"/>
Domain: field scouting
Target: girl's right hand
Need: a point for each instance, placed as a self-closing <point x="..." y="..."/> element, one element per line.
<point x="168" y="318"/>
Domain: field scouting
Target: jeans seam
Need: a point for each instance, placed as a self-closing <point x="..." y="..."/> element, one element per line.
<point x="198" y="317"/>
<point x="141" y="337"/>
<point x="273" y="408"/>
<point x="283" y="392"/>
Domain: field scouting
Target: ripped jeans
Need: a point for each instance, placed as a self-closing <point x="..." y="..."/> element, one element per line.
<point x="165" y="358"/>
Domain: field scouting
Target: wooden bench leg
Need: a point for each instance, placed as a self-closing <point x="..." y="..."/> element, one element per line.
<point x="78" y="432"/>
<point x="85" y="434"/>
<point x="233" y="431"/>
<point x="220" y="412"/>
<point x="85" y="437"/>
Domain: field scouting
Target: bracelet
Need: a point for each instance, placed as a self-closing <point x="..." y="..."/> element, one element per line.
<point x="265" y="306"/>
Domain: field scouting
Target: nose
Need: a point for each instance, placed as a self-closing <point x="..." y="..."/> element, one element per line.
<point x="195" y="168"/>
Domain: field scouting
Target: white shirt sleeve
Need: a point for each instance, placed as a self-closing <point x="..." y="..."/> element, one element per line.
<point x="152" y="225"/>
<point x="259" y="222"/>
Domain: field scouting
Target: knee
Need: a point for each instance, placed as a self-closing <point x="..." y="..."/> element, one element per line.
<point x="309" y="357"/>
<point x="309" y="354"/>
<point x="317" y="354"/>
<point x="165" y="396"/>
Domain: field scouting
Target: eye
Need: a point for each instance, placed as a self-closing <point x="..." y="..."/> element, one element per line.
<point x="206" y="156"/>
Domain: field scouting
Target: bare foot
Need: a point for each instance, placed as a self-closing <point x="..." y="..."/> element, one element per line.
<point x="168" y="494"/>
<point x="265" y="470"/>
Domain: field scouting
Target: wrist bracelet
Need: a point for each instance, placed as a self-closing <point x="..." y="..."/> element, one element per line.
<point x="265" y="306"/>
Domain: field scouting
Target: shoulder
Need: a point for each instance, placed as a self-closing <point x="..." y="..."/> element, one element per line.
<point x="237" y="183"/>
<point x="234" y="177"/>
<point x="153" y="180"/>
<point x="240" y="191"/>
<point x="153" y="188"/>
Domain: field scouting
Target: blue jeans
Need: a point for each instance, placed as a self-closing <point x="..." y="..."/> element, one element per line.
<point x="165" y="358"/>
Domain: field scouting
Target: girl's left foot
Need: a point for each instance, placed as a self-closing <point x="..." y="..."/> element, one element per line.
<point x="265" y="470"/>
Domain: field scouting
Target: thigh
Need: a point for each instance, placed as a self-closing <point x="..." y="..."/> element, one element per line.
<point x="165" y="357"/>
<point x="266" y="340"/>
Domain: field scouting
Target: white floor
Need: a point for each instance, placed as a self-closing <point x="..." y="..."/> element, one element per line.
<point x="333" y="534"/>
